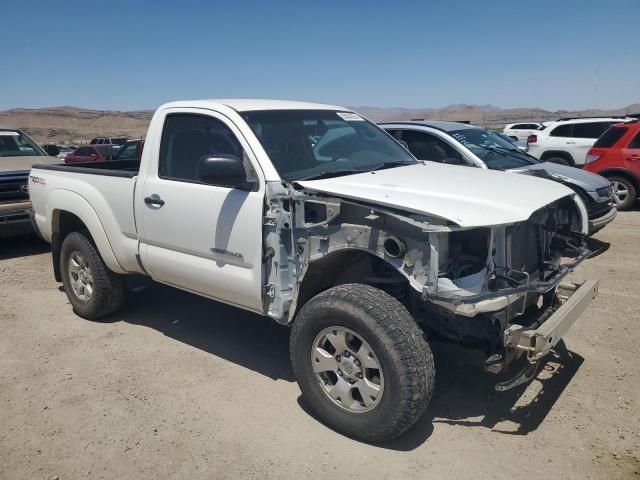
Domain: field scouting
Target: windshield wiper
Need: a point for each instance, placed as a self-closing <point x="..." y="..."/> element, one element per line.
<point x="383" y="165"/>
<point x="328" y="174"/>
<point x="339" y="173"/>
<point x="493" y="148"/>
<point x="514" y="150"/>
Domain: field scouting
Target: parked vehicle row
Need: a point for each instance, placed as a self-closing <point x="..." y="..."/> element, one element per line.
<point x="315" y="217"/>
<point x="462" y="144"/>
<point x="567" y="141"/>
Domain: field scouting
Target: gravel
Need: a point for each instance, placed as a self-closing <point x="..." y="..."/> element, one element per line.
<point x="177" y="386"/>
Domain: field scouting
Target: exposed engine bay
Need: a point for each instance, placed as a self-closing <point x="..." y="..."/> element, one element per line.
<point x="467" y="285"/>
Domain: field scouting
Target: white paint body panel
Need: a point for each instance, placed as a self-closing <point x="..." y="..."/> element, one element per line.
<point x="468" y="197"/>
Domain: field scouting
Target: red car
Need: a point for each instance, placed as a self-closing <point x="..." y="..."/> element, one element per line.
<point x="616" y="155"/>
<point x="90" y="153"/>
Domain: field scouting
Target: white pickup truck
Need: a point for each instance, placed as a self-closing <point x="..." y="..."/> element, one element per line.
<point x="314" y="216"/>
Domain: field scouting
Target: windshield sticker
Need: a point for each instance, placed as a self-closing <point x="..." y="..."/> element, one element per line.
<point x="350" y="117"/>
<point x="4" y="133"/>
<point x="461" y="138"/>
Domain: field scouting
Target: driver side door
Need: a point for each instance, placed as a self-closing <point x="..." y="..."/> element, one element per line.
<point x="202" y="237"/>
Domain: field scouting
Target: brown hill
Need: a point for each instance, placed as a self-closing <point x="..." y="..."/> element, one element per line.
<point x="75" y="125"/>
<point x="79" y="125"/>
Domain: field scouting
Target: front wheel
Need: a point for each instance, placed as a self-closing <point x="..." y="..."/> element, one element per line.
<point x="362" y="362"/>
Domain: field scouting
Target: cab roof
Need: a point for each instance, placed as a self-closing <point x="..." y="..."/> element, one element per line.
<point x="248" y="104"/>
<point x="437" y="124"/>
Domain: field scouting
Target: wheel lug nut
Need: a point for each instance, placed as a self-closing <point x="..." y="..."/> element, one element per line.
<point x="339" y="372"/>
<point x="359" y="375"/>
<point x="338" y="358"/>
<point x="346" y="354"/>
<point x="357" y="362"/>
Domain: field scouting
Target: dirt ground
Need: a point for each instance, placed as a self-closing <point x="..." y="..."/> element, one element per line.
<point x="176" y="386"/>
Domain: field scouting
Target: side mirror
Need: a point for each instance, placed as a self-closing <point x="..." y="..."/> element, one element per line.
<point x="224" y="171"/>
<point x="52" y="150"/>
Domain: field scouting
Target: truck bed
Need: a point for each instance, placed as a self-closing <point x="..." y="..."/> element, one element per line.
<point x="102" y="194"/>
<point x="112" y="168"/>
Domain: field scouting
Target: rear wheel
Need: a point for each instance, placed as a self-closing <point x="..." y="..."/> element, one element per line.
<point x="624" y="192"/>
<point x="362" y="362"/>
<point x="93" y="290"/>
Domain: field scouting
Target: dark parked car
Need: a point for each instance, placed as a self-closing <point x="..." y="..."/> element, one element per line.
<point x="91" y="153"/>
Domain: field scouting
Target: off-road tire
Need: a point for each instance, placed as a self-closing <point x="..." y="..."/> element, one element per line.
<point x="399" y="344"/>
<point x="108" y="287"/>
<point x="631" y="188"/>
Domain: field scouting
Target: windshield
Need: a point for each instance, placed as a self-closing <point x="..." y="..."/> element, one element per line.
<point x="16" y="144"/>
<point x="304" y="144"/>
<point x="119" y="141"/>
<point x="496" y="152"/>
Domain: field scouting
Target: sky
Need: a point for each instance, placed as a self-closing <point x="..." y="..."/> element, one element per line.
<point x="561" y="54"/>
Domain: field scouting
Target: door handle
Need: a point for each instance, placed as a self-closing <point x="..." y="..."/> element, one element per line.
<point x="154" y="200"/>
<point x="570" y="143"/>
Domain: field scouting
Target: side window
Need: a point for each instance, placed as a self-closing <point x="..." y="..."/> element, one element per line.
<point x="590" y="130"/>
<point x="425" y="146"/>
<point x="397" y="134"/>
<point x="128" y="152"/>
<point x="519" y="126"/>
<point x="187" y="138"/>
<point x="94" y="141"/>
<point x="562" y="131"/>
<point x="635" y="142"/>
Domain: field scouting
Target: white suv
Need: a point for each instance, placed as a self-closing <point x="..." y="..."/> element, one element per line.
<point x="521" y="131"/>
<point x="568" y="140"/>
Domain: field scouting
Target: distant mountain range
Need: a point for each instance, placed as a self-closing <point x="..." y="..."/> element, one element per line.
<point x="79" y="125"/>
<point x="486" y="115"/>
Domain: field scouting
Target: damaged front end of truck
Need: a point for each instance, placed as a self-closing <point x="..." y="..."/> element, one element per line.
<point x="495" y="287"/>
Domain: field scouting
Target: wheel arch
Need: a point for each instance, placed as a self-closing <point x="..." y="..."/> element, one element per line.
<point x="347" y="265"/>
<point x="558" y="153"/>
<point x="74" y="214"/>
<point x="609" y="172"/>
